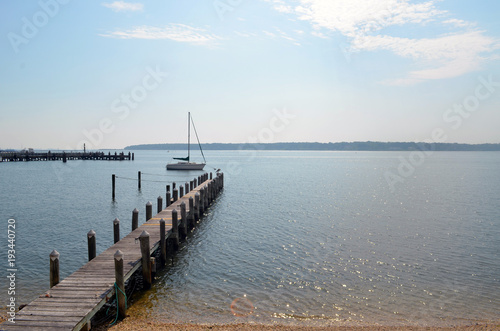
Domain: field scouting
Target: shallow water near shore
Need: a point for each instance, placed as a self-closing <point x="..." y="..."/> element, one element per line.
<point x="315" y="238"/>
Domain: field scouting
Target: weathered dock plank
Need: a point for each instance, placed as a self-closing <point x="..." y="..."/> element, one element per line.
<point x="70" y="304"/>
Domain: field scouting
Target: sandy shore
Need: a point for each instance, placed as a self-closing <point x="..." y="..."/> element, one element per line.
<point x="133" y="324"/>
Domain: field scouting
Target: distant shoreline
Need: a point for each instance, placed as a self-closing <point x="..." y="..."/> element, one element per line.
<point x="342" y="146"/>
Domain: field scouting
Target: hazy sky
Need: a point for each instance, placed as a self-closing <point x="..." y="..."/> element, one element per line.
<point x="115" y="73"/>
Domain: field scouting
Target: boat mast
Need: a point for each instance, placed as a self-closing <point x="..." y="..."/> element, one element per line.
<point x="189" y="133"/>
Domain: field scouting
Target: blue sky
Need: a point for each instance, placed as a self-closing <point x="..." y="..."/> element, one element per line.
<point x="116" y="73"/>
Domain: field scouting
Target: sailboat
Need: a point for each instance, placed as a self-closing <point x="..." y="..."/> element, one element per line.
<point x="186" y="164"/>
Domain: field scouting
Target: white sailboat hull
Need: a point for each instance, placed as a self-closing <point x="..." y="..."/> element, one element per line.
<point x="185" y="166"/>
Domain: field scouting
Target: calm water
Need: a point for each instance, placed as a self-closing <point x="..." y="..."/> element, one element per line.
<point x="313" y="238"/>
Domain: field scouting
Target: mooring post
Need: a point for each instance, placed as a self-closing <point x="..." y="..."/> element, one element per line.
<point x="186" y="188"/>
<point x="54" y="268"/>
<point x="191" y="185"/>
<point x="197" y="207"/>
<point x="169" y="199"/>
<point x="113" y="186"/>
<point x="116" y="230"/>
<point x="149" y="211"/>
<point x="210" y="175"/>
<point x="175" y="230"/>
<point x="91" y="243"/>
<point x="183" y="220"/>
<point x="191" y="213"/>
<point x="160" y="204"/>
<point x="146" y="260"/>
<point x="176" y="195"/>
<point x="173" y="186"/>
<point x="163" y="244"/>
<point x="199" y="180"/>
<point x="135" y="219"/>
<point x="195" y="182"/>
<point x="120" y="284"/>
<point x="181" y="191"/>
<point x="139" y="180"/>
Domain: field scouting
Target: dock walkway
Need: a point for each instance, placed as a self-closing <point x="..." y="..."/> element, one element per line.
<point x="71" y="304"/>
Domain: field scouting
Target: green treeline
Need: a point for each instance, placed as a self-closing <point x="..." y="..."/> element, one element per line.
<point x="342" y="146"/>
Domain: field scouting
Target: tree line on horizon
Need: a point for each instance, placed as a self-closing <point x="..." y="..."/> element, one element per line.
<point x="340" y="146"/>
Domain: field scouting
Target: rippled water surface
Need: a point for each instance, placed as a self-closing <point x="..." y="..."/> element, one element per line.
<point x="296" y="237"/>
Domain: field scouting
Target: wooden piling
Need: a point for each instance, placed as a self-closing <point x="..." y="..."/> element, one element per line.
<point x="186" y="188"/>
<point x="169" y="198"/>
<point x="116" y="230"/>
<point x="176" y="195"/>
<point x="191" y="185"/>
<point x="149" y="211"/>
<point x="202" y="200"/>
<point x="135" y="219"/>
<point x="139" y="180"/>
<point x="91" y="243"/>
<point x="183" y="227"/>
<point x="54" y="268"/>
<point x="160" y="204"/>
<point x="191" y="213"/>
<point x="163" y="243"/>
<point x="197" y="207"/>
<point x="120" y="285"/>
<point x="181" y="191"/>
<point x="175" y="230"/>
<point x="113" y="186"/>
<point x="146" y="257"/>
<point x="210" y="175"/>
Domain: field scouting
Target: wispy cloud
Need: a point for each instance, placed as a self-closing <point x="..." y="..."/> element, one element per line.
<point x="123" y="6"/>
<point x="363" y="21"/>
<point x="173" y="31"/>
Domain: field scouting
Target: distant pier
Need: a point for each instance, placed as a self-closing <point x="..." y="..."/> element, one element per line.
<point x="24" y="156"/>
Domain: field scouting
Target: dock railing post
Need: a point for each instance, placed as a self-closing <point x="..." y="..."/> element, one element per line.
<point x="116" y="230"/>
<point x="149" y="211"/>
<point x="163" y="243"/>
<point x="135" y="219"/>
<point x="54" y="268"/>
<point x="160" y="204"/>
<point x="91" y="244"/>
<point x="120" y="285"/>
<point x="146" y="260"/>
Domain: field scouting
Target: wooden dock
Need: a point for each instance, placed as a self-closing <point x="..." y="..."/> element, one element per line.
<point x="21" y="156"/>
<point x="71" y="304"/>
